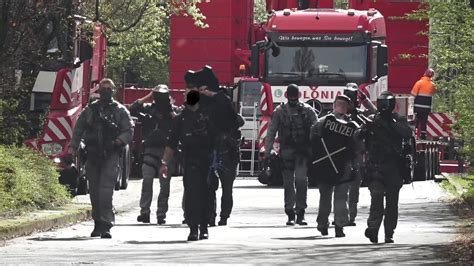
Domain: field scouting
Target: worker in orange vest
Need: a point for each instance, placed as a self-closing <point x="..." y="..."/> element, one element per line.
<point x="423" y="91"/>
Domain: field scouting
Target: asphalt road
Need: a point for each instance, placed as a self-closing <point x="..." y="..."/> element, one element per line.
<point x="256" y="233"/>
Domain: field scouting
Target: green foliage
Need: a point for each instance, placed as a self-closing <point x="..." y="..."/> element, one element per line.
<point x="142" y="51"/>
<point x="461" y="187"/>
<point x="138" y="32"/>
<point x="11" y="131"/>
<point x="28" y="181"/>
<point x="260" y="11"/>
<point x="452" y="56"/>
<point x="27" y="30"/>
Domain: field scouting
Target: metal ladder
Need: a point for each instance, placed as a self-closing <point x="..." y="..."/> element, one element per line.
<point x="247" y="164"/>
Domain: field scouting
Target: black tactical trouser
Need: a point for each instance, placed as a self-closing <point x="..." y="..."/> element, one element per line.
<point x="385" y="185"/>
<point x="326" y="192"/>
<point x="102" y="175"/>
<point x="353" y="198"/>
<point x="196" y="190"/>
<point x="224" y="169"/>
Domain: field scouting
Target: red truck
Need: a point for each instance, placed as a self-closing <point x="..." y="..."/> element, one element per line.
<point x="304" y="42"/>
<point x="58" y="96"/>
<point x="317" y="47"/>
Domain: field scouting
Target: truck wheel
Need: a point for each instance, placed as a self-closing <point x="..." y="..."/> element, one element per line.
<point x="118" y="183"/>
<point x="437" y="166"/>
<point x="420" y="168"/>
<point x="429" y="163"/>
<point x="127" y="164"/>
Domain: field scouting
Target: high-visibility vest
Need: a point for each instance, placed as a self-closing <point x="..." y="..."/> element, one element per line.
<point x="423" y="91"/>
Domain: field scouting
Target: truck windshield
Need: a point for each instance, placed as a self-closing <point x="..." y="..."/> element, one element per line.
<point x="316" y="65"/>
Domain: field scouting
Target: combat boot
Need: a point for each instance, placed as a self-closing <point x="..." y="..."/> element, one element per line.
<point x="389" y="238"/>
<point x="291" y="217"/>
<point x="300" y="218"/>
<point x="203" y="233"/>
<point x="161" y="221"/>
<point x="106" y="234"/>
<point x="144" y="218"/>
<point x="371" y="234"/>
<point x="97" y="229"/>
<point x="339" y="231"/>
<point x="222" y="221"/>
<point x="193" y="234"/>
<point x="351" y="223"/>
<point x="324" y="231"/>
<point x="212" y="222"/>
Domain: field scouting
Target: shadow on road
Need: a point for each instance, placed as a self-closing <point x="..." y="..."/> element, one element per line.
<point x="155" y="225"/>
<point x="133" y="242"/>
<point x="78" y="238"/>
<point x="304" y="238"/>
<point x="257" y="187"/>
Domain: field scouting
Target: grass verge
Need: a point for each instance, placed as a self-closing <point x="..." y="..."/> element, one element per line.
<point x="28" y="182"/>
<point x="462" y="188"/>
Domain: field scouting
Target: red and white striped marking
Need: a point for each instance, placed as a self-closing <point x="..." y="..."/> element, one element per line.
<point x="66" y="88"/>
<point x="263" y="100"/>
<point x="58" y="128"/>
<point x="262" y="133"/>
<point x="439" y="125"/>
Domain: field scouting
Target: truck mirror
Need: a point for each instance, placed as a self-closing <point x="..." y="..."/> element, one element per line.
<point x="255" y="59"/>
<point x="85" y="51"/>
<point x="275" y="50"/>
<point x="382" y="60"/>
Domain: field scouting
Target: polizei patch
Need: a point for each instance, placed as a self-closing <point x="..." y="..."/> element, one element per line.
<point x="338" y="127"/>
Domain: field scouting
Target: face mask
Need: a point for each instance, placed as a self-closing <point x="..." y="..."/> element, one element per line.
<point x="386" y="114"/>
<point x="106" y="95"/>
<point x="192" y="97"/>
<point x="161" y="100"/>
<point x="292" y="103"/>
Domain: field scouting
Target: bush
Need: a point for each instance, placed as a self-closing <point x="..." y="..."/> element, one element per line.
<point x="28" y="181"/>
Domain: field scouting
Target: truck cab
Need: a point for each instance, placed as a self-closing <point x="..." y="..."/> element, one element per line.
<point x="321" y="50"/>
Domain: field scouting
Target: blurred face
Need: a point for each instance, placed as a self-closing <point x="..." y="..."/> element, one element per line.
<point x="341" y="107"/>
<point x="192" y="95"/>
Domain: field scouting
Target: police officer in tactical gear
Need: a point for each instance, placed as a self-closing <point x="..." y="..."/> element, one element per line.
<point x="293" y="121"/>
<point x="194" y="130"/>
<point x="218" y="106"/>
<point x="156" y="119"/>
<point x="356" y="114"/>
<point x="342" y="105"/>
<point x="384" y="138"/>
<point x="106" y="126"/>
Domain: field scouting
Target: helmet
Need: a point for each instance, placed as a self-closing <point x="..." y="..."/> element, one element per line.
<point x="190" y="78"/>
<point x="343" y="98"/>
<point x="292" y="91"/>
<point x="429" y="72"/>
<point x="161" y="92"/>
<point x="386" y="102"/>
<point x="202" y="77"/>
<point x="351" y="92"/>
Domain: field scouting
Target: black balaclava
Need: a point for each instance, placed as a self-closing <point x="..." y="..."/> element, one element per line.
<point x="161" y="97"/>
<point x="292" y="91"/>
<point x="192" y="97"/>
<point x="106" y="95"/>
